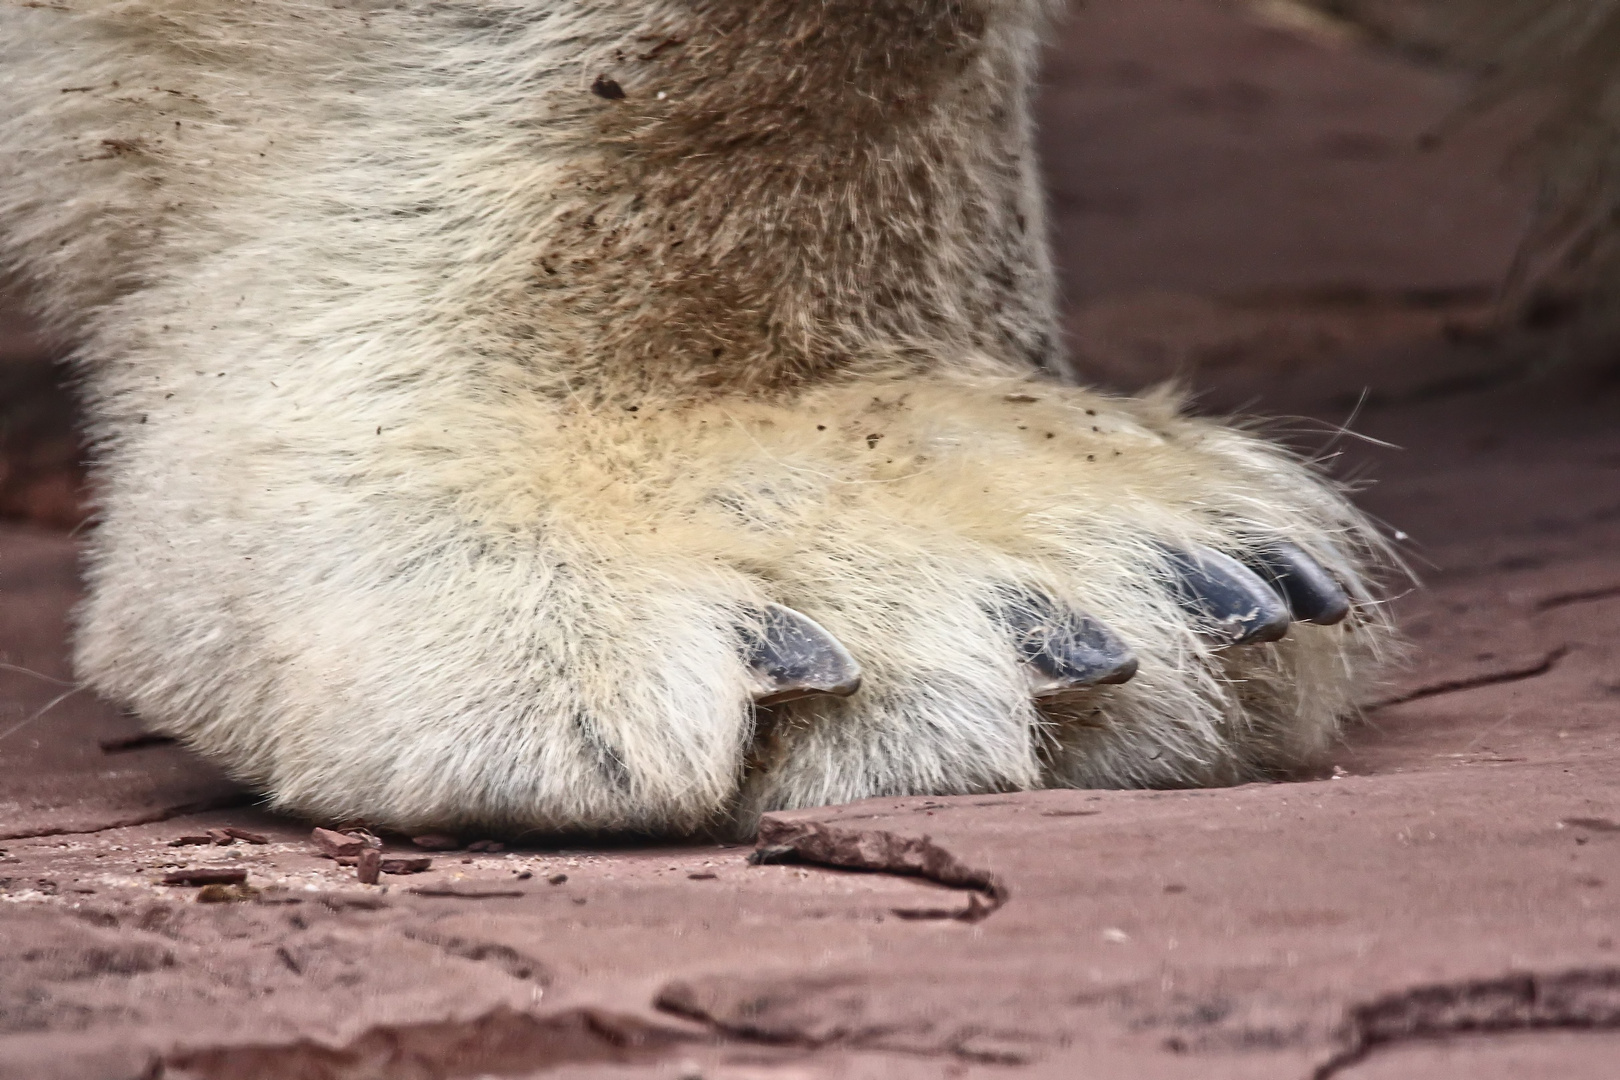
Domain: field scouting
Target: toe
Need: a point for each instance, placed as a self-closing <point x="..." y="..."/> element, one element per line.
<point x="1064" y="651"/>
<point x="791" y="656"/>
<point x="1233" y="604"/>
<point x="1312" y="594"/>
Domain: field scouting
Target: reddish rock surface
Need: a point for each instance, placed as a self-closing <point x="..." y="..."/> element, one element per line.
<point x="1442" y="901"/>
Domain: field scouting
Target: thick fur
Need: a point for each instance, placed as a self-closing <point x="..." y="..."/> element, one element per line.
<point x="463" y="375"/>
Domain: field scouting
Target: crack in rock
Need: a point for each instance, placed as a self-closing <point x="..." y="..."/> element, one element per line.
<point x="885" y="852"/>
<point x="503" y="957"/>
<point x="806" y="1012"/>
<point x="502" y="1042"/>
<point x="1581" y="1000"/>
<point x="1584" y="596"/>
<point x="221" y="802"/>
<point x="815" y="1012"/>
<point x="1494" y="678"/>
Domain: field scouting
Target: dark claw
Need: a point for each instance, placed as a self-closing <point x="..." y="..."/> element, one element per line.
<point x="1312" y="594"/>
<point x="1065" y="651"/>
<point x="1236" y="605"/>
<point x="797" y="658"/>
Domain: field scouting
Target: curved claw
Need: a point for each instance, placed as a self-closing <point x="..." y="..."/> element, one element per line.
<point x="1064" y="651"/>
<point x="1236" y="605"/>
<point x="796" y="657"/>
<point x="1312" y="594"/>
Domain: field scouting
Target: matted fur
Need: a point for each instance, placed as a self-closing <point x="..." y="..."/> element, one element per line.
<point x="463" y="375"/>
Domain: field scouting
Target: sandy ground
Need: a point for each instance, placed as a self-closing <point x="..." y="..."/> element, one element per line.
<point x="1248" y="208"/>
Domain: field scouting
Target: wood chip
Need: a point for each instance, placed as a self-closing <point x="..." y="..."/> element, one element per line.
<point x="703" y="875"/>
<point x="190" y="841"/>
<point x="367" y="865"/>
<point x="221" y="837"/>
<point x="406" y="864"/>
<point x="557" y="879"/>
<point x="245" y="836"/>
<point x="336" y="844"/>
<point x="206" y="875"/>
<point x="486" y="845"/>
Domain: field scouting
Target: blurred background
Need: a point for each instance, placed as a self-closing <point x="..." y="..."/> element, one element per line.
<point x="41" y="459"/>
<point x="1289" y="207"/>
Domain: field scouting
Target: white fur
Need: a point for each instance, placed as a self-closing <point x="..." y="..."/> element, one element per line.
<point x="453" y="417"/>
